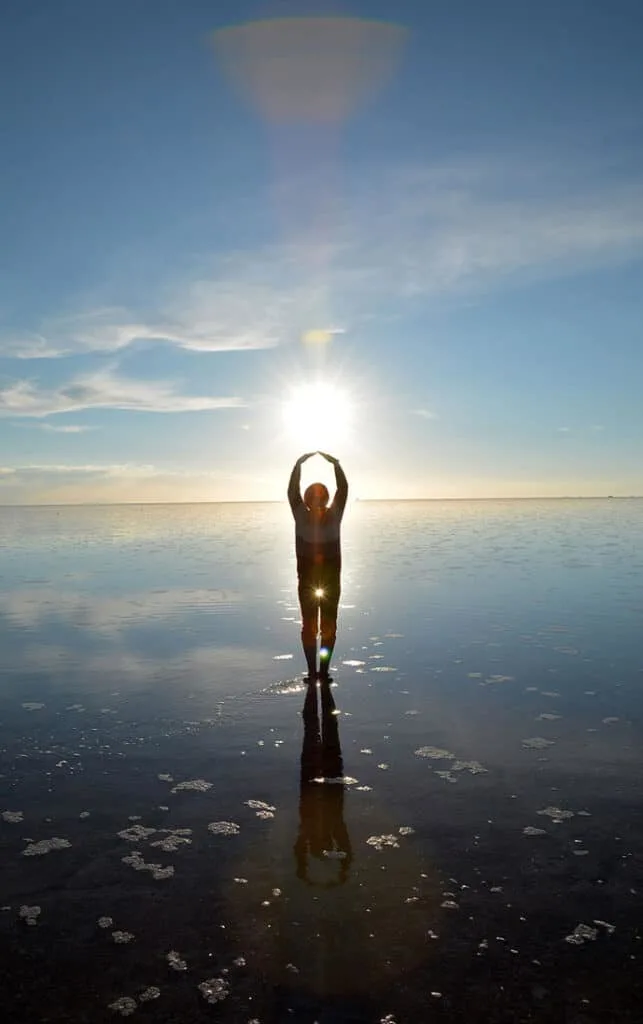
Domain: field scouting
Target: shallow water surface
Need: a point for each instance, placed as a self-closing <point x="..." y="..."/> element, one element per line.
<point x="451" y="832"/>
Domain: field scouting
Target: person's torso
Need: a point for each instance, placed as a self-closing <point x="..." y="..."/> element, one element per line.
<point x="317" y="538"/>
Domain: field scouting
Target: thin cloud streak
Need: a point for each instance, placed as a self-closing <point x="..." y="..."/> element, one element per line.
<point x="112" y="483"/>
<point x="251" y="301"/>
<point x="103" y="389"/>
<point x="415" y="233"/>
<point x="54" y="428"/>
<point x="67" y="428"/>
<point x="85" y="469"/>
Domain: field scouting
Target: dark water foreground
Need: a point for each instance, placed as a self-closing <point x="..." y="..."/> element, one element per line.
<point x="452" y="832"/>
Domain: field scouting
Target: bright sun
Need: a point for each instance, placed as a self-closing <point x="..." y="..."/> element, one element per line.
<point x="318" y="415"/>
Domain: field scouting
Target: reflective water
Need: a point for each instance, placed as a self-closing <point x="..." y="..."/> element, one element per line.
<point x="452" y="832"/>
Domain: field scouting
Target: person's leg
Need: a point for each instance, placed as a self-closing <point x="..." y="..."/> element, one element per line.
<point x="328" y="616"/>
<point x="309" y="605"/>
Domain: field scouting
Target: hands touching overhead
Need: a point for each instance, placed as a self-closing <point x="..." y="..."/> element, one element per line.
<point x="325" y="455"/>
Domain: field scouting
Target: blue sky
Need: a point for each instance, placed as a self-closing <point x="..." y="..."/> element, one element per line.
<point x="451" y="203"/>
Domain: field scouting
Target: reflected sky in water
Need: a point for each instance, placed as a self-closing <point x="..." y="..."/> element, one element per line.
<point x="474" y="771"/>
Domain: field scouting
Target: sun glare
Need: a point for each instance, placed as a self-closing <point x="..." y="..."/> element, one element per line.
<point x="318" y="415"/>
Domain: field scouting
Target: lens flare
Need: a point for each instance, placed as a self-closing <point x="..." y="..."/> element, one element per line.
<point x="306" y="77"/>
<point x="306" y="69"/>
<point x="319" y="592"/>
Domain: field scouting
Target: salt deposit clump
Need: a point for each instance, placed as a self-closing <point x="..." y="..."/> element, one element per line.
<point x="135" y="833"/>
<point x="198" y="785"/>
<point x="157" y="871"/>
<point x="125" y="1006"/>
<point x="557" y="814"/>
<point x="152" y="992"/>
<point x="214" y="990"/>
<point x="379" y="842"/>
<point x="45" y="846"/>
<point x="29" y="915"/>
<point x="435" y="754"/>
<point x="582" y="933"/>
<point x="13" y="817"/>
<point x="224" y="828"/>
<point x="537" y="743"/>
<point x="175" y="961"/>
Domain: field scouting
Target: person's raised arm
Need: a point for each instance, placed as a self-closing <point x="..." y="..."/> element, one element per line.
<point x="294" y="484"/>
<point x="341" y="495"/>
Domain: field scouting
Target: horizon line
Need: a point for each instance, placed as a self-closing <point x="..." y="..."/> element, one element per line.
<point x="280" y="501"/>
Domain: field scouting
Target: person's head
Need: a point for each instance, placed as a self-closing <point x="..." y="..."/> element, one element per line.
<point x="316" y="496"/>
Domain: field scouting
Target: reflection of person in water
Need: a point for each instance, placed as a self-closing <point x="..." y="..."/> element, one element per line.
<point x="322" y="830"/>
<point x="317" y="539"/>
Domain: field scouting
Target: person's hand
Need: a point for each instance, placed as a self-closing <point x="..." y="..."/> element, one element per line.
<point x="302" y="458"/>
<point x="329" y="458"/>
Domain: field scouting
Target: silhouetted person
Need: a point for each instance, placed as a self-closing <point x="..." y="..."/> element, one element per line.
<point x="319" y="561"/>
<point x="322" y="829"/>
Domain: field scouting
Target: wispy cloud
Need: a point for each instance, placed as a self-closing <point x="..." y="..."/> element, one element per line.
<point x="91" y="483"/>
<point x="67" y="428"/>
<point x="406" y="235"/>
<point x="253" y="300"/>
<point x="210" y="668"/>
<point x="103" y="389"/>
<point x="33" y="606"/>
<point x="54" y="428"/>
<point x="42" y="472"/>
<point x="435" y="233"/>
<point x="424" y="414"/>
